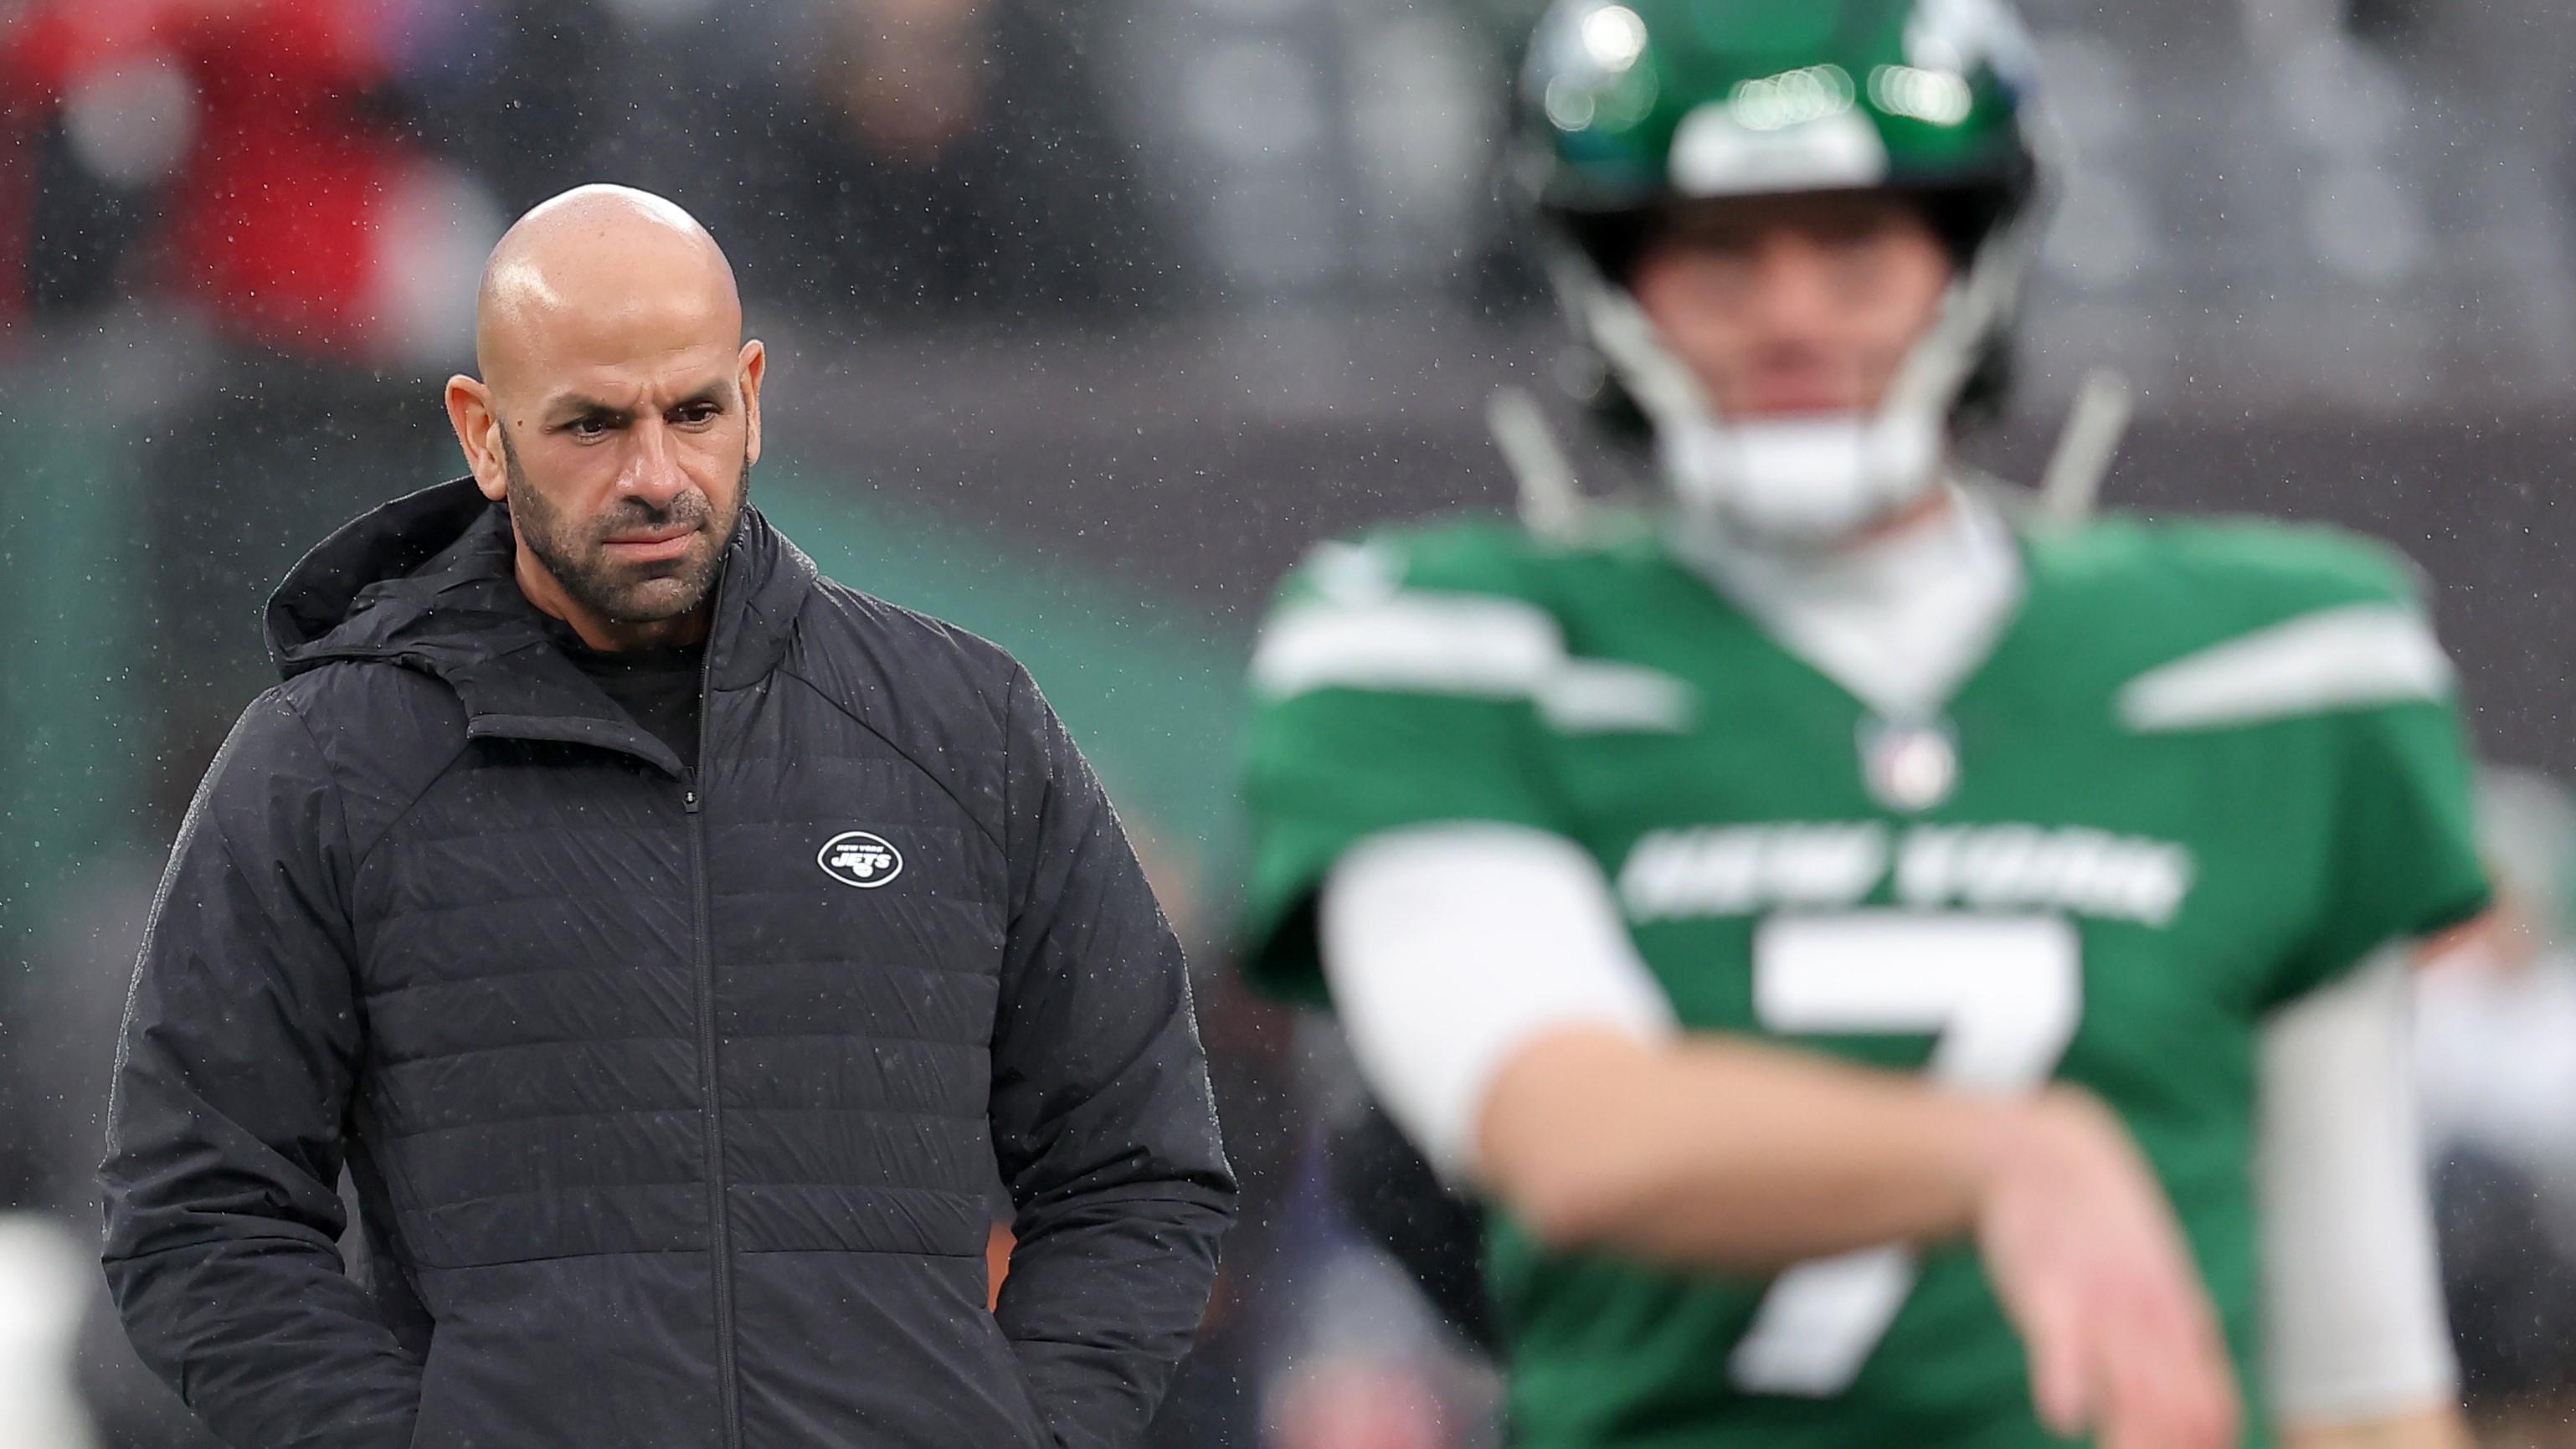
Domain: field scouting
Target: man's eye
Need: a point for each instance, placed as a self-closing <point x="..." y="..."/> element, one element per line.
<point x="589" y="427"/>
<point x="1856" y="235"/>
<point x="698" y="413"/>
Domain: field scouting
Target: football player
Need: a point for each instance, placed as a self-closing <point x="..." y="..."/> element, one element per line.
<point x="1899" y="974"/>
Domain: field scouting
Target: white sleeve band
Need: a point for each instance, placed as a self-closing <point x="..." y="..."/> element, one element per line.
<point x="1451" y="947"/>
<point x="2354" y="1325"/>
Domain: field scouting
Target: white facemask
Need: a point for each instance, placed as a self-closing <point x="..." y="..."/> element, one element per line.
<point x="1801" y="482"/>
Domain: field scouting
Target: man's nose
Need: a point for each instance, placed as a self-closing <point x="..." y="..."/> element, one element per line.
<point x="653" y="472"/>
<point x="1792" y="282"/>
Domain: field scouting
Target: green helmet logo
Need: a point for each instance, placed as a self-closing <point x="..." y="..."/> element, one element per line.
<point x="1635" y="104"/>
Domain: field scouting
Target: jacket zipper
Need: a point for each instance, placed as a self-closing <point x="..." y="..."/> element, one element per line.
<point x="719" y="1246"/>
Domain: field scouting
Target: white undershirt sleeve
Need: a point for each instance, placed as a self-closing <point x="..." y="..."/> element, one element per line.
<point x="1451" y="947"/>
<point x="2354" y="1324"/>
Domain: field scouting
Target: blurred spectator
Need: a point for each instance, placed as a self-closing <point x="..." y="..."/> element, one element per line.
<point x="947" y="155"/>
<point x="59" y="1026"/>
<point x="298" y="217"/>
<point x="528" y="93"/>
<point x="44" y="1280"/>
<point x="247" y="161"/>
<point x="2496" y="1043"/>
<point x="1366" y="1360"/>
<point x="2497" y="1033"/>
<point x="1361" y="1403"/>
<point x="909" y="74"/>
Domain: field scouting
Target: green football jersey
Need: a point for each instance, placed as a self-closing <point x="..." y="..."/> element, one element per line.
<point x="2205" y="768"/>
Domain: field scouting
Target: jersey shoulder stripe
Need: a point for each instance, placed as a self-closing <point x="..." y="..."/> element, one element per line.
<point x="1410" y="641"/>
<point x="1457" y="611"/>
<point x="2206" y="624"/>
<point x="2352" y="657"/>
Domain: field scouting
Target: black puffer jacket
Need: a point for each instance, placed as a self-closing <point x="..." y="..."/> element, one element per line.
<point x="673" y="1101"/>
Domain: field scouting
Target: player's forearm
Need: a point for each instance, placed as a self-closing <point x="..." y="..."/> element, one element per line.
<point x="1724" y="1152"/>
<point x="1496" y="1002"/>
<point x="2435" y="1428"/>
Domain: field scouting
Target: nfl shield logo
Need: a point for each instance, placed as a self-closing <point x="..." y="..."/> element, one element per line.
<point x="1909" y="767"/>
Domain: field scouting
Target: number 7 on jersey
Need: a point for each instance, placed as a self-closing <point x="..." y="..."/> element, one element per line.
<point x="2003" y="994"/>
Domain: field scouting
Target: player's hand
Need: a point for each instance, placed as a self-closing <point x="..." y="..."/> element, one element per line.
<point x="2084" y="1251"/>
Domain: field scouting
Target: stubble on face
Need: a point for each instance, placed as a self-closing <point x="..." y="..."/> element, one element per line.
<point x="574" y="551"/>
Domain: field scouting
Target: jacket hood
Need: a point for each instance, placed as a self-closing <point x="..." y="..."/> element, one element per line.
<point x="427" y="581"/>
<point x="416" y="576"/>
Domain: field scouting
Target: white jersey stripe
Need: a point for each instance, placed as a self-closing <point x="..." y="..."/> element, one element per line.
<point x="1478" y="646"/>
<point x="1600" y="696"/>
<point x="2349" y="657"/>
<point x="1423" y="643"/>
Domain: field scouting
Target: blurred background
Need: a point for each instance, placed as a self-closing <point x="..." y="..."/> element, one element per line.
<point x="1085" y="320"/>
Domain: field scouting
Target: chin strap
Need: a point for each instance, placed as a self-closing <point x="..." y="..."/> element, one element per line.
<point x="1979" y="304"/>
<point x="1552" y="503"/>
<point x="2084" y="449"/>
<point x="1610" y="319"/>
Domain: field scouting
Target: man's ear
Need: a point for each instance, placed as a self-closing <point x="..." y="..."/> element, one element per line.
<point x="755" y="366"/>
<point x="478" y="432"/>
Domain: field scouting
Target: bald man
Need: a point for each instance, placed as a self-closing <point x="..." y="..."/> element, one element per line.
<point x="679" y="950"/>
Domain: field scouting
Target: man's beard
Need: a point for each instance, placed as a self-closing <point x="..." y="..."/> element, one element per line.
<point x="576" y="555"/>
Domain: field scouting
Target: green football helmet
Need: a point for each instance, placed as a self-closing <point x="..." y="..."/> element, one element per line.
<point x="1631" y="110"/>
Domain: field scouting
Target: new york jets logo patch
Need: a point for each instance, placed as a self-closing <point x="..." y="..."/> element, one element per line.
<point x="857" y="858"/>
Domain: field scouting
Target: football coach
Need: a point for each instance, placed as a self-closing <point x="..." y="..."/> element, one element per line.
<point x="674" y="945"/>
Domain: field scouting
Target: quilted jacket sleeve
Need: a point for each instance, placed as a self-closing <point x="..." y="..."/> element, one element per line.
<point x="232" y="1083"/>
<point x="1101" y="1114"/>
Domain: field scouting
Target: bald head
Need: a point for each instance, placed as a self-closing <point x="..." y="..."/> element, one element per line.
<point x="618" y="413"/>
<point x="594" y="270"/>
